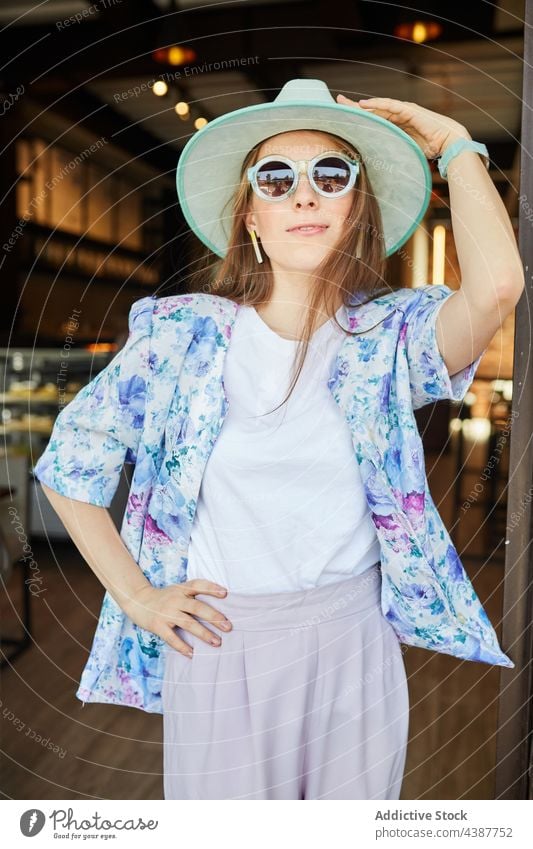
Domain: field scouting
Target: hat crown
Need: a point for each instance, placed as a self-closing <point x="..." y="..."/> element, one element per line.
<point x="305" y="90"/>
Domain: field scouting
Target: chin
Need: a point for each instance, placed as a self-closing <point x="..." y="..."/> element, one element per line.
<point x="304" y="258"/>
<point x="299" y="267"/>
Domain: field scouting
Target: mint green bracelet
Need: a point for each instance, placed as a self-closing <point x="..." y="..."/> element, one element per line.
<point x="455" y="148"/>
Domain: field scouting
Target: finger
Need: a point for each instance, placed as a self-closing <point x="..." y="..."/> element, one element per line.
<point x="388" y="114"/>
<point x="385" y="103"/>
<point x="171" y="638"/>
<point x="392" y="110"/>
<point x="202" y="585"/>
<point x="190" y="624"/>
<point x="204" y="611"/>
<point x="381" y="102"/>
<point x="347" y="100"/>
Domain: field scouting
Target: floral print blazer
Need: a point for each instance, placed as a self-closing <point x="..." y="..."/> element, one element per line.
<point x="160" y="404"/>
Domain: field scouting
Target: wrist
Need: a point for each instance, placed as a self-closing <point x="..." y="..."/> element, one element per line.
<point x="137" y="597"/>
<point x="456" y="146"/>
<point x="453" y="137"/>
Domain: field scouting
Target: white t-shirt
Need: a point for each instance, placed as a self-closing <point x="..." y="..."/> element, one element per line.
<point x="281" y="506"/>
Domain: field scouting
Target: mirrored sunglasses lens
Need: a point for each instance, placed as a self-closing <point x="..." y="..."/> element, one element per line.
<point x="275" y="178"/>
<point x="331" y="174"/>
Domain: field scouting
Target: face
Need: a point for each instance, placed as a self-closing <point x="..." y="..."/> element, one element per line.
<point x="287" y="248"/>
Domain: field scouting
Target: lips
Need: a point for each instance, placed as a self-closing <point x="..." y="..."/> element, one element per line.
<point x="308" y="229"/>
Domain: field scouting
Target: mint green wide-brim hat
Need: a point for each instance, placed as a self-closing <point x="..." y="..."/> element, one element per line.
<point x="209" y="167"/>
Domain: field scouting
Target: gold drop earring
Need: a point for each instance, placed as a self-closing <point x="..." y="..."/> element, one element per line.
<point x="256" y="246"/>
<point x="358" y="249"/>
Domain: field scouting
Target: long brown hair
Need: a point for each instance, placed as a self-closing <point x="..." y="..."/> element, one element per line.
<point x="355" y="264"/>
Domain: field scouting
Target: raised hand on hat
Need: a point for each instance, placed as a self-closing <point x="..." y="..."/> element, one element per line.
<point x="431" y="130"/>
<point x="492" y="274"/>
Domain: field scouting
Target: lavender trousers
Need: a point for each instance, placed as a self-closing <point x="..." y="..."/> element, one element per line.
<point x="306" y="698"/>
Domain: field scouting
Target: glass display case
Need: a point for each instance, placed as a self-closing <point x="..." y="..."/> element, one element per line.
<point x="37" y="384"/>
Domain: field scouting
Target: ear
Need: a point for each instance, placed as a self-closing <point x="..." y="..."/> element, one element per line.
<point x="249" y="221"/>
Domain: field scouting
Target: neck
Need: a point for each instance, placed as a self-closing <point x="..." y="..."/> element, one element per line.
<point x="286" y="311"/>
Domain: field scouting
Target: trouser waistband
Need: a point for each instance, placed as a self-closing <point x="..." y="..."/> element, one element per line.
<point x="302" y="608"/>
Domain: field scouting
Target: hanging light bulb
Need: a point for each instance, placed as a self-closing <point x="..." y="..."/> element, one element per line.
<point x="418" y="31"/>
<point x="174" y="55"/>
<point x="179" y="55"/>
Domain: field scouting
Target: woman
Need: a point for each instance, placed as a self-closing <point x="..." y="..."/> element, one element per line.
<point x="289" y="489"/>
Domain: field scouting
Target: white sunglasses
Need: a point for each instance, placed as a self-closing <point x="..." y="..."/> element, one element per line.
<point x="331" y="174"/>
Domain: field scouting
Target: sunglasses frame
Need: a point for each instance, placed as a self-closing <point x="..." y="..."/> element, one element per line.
<point x="302" y="166"/>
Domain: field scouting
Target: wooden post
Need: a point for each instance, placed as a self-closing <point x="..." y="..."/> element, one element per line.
<point x="514" y="776"/>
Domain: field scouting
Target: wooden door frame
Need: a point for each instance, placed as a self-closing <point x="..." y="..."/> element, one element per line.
<point x="514" y="766"/>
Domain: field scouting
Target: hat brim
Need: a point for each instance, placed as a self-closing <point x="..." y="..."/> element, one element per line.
<point x="209" y="167"/>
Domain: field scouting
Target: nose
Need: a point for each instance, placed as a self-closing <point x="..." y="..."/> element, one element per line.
<point x="304" y="195"/>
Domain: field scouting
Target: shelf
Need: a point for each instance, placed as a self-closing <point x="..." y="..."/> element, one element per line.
<point x="15" y="398"/>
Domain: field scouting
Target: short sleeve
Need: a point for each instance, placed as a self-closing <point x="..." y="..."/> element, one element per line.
<point x="100" y="428"/>
<point x="429" y="378"/>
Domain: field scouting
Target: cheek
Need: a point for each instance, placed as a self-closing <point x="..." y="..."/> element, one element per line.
<point x="341" y="213"/>
<point x="271" y="223"/>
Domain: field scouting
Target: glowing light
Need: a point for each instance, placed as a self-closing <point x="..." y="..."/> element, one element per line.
<point x="174" y="55"/>
<point x="101" y="347"/>
<point x="160" y="88"/>
<point x="439" y="253"/>
<point x="476" y="429"/>
<point x="420" y="257"/>
<point x="418" y="31"/>
<point x="177" y="55"/>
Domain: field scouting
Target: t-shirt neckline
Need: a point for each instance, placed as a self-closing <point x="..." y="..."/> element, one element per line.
<point x="293" y="342"/>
